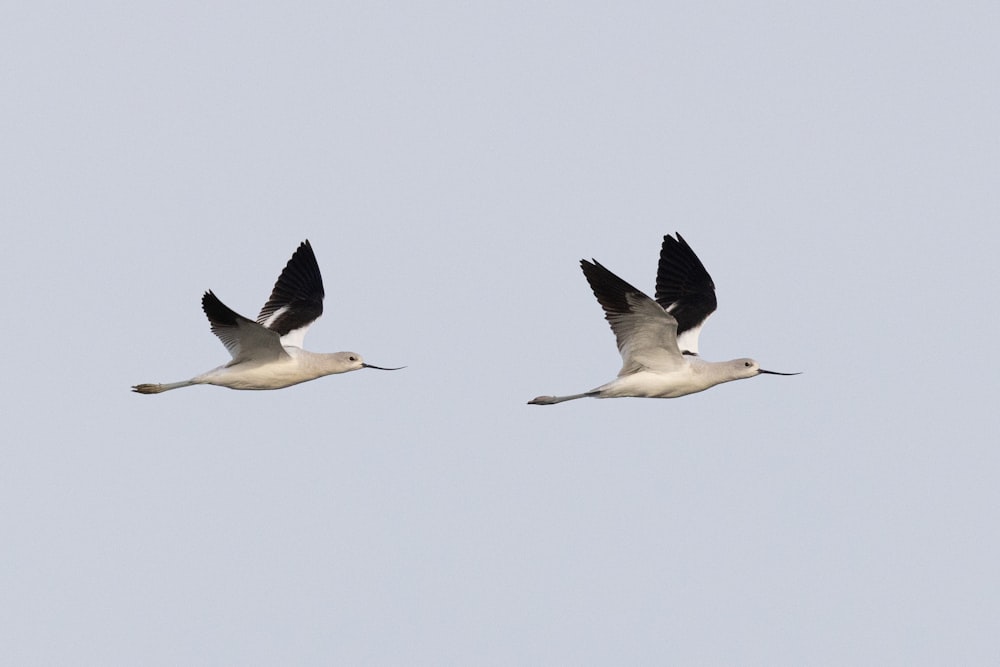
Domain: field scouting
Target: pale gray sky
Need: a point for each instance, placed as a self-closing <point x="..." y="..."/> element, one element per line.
<point x="835" y="167"/>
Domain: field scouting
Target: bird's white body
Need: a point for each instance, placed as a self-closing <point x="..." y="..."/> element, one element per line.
<point x="296" y="366"/>
<point x="692" y="374"/>
<point x="658" y="340"/>
<point x="267" y="354"/>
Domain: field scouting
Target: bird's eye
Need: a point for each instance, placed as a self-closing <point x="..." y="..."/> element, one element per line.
<point x="747" y="364"/>
<point x="353" y="358"/>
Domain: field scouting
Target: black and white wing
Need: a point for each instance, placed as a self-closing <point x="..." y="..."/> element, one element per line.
<point x="685" y="290"/>
<point x="297" y="298"/>
<point x="646" y="333"/>
<point x="245" y="339"/>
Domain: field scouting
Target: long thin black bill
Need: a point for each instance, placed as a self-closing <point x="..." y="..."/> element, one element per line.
<point x="383" y="369"/>
<point x="777" y="373"/>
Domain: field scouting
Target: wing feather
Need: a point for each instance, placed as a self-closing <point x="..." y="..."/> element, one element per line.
<point x="645" y="332"/>
<point x="685" y="290"/>
<point x="297" y="298"/>
<point x="245" y="339"/>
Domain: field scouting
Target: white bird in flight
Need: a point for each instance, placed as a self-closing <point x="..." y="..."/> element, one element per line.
<point x="658" y="340"/>
<point x="268" y="354"/>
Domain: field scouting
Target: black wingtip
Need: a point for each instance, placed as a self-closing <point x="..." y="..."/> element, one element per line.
<point x="683" y="285"/>
<point x="611" y="291"/>
<point x="218" y="313"/>
<point x="299" y="290"/>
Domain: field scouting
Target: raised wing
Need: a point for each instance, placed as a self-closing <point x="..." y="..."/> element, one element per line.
<point x="297" y="298"/>
<point x="245" y="339"/>
<point x="685" y="290"/>
<point x="646" y="334"/>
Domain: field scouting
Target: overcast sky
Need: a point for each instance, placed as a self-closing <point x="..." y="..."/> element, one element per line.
<point x="835" y="168"/>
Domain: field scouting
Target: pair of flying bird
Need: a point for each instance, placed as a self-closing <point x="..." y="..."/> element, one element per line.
<point x="658" y="339"/>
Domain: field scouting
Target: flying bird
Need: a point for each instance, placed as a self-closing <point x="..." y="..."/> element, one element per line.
<point x="268" y="354"/>
<point x="658" y="339"/>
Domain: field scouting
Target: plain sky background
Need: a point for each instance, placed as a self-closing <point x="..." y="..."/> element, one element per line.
<point x="835" y="165"/>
